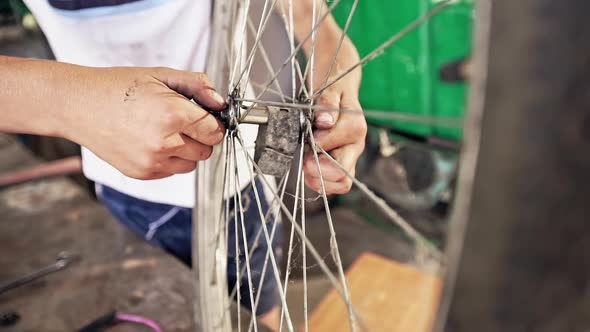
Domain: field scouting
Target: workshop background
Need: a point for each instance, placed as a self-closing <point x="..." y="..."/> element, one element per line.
<point x="49" y="212"/>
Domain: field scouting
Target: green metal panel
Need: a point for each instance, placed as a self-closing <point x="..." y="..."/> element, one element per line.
<point x="14" y="6"/>
<point x="405" y="78"/>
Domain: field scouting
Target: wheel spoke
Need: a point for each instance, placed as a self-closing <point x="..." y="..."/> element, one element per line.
<point x="269" y="248"/>
<point x="282" y="184"/>
<point x="235" y="8"/>
<point x="244" y="238"/>
<point x="398" y="220"/>
<point x="340" y="42"/>
<point x="261" y="29"/>
<point x="224" y="215"/>
<point x="268" y="64"/>
<point x="309" y="67"/>
<point x="270" y="90"/>
<point x="304" y="253"/>
<point x="379" y="50"/>
<point x="239" y="56"/>
<point x="266" y="235"/>
<point x="310" y="247"/>
<point x="292" y="233"/>
<point x="294" y="62"/>
<point x="237" y="258"/>
<point x="295" y="68"/>
<point x="333" y="243"/>
<point x="302" y="82"/>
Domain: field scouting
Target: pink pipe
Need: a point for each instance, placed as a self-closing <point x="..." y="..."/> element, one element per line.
<point x="53" y="168"/>
<point x="139" y="320"/>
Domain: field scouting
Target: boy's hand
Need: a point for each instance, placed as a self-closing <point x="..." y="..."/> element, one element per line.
<point x="340" y="134"/>
<point x="142" y="120"/>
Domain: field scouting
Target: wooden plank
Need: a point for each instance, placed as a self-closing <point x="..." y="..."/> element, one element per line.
<point x="388" y="295"/>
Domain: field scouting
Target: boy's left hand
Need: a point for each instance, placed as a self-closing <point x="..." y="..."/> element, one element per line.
<point x="341" y="134"/>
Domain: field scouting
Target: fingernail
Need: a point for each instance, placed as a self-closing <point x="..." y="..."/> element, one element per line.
<point x="217" y="98"/>
<point x="324" y="119"/>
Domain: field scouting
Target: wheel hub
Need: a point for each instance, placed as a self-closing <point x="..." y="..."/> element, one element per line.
<point x="279" y="132"/>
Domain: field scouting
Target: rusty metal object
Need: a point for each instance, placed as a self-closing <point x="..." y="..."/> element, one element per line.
<point x="277" y="140"/>
<point x="64" y="259"/>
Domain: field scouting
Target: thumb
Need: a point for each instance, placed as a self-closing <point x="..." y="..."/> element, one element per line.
<point x="192" y="85"/>
<point x="326" y="118"/>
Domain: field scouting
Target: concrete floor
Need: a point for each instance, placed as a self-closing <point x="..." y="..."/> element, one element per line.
<point x="117" y="270"/>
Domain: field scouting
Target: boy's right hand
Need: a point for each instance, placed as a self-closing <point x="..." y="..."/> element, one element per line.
<point x="142" y="120"/>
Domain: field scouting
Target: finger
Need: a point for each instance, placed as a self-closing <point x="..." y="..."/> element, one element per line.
<point x="351" y="128"/>
<point x="199" y="124"/>
<point x="192" y="150"/>
<point x="346" y="158"/>
<point x="325" y="119"/>
<point x="335" y="180"/>
<point x="192" y="85"/>
<point x="348" y="130"/>
<point x="329" y="171"/>
<point x="340" y="187"/>
<point x="177" y="165"/>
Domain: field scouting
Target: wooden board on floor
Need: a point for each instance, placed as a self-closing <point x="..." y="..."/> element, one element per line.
<point x="388" y="295"/>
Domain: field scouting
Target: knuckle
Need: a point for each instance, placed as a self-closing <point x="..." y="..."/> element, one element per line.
<point x="340" y="177"/>
<point x="218" y="137"/>
<point x="140" y="176"/>
<point x="202" y="77"/>
<point x="310" y="168"/>
<point x="148" y="163"/>
<point x="347" y="186"/>
<point x="315" y="185"/>
<point x="213" y="138"/>
<point x="205" y="153"/>
<point x="170" y="117"/>
<point x="151" y="176"/>
<point x="160" y="71"/>
<point x="359" y="127"/>
<point x="188" y="167"/>
<point x="155" y="145"/>
<point x="140" y="173"/>
<point x="330" y="99"/>
<point x="361" y="146"/>
<point x="191" y="132"/>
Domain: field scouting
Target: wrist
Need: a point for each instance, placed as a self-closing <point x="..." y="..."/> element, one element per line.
<point x="70" y="108"/>
<point x="346" y="57"/>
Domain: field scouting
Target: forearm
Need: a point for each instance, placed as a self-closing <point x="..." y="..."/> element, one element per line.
<point x="327" y="37"/>
<point x="38" y="96"/>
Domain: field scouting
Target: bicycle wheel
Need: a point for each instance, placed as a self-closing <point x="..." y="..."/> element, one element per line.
<point x="269" y="125"/>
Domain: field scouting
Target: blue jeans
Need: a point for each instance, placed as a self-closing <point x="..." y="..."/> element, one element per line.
<point x="170" y="228"/>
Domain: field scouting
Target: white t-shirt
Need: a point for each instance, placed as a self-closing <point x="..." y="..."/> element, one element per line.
<point x="168" y="33"/>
